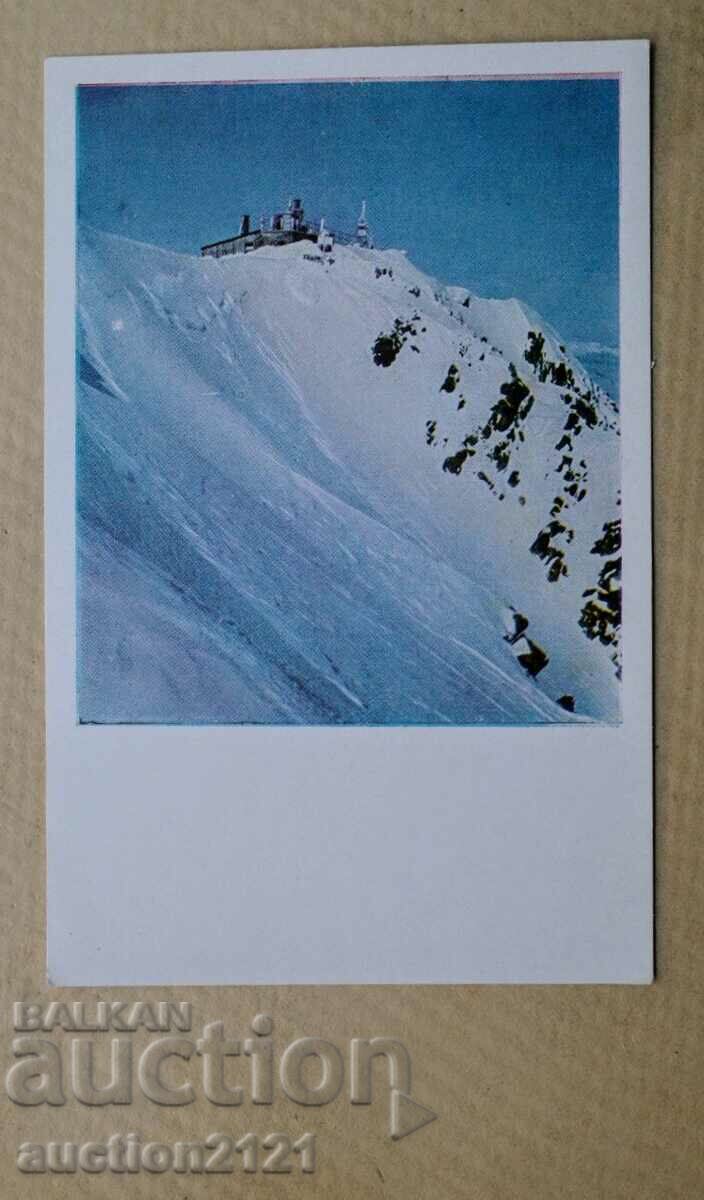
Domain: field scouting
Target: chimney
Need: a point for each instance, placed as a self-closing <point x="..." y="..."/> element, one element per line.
<point x="244" y="225"/>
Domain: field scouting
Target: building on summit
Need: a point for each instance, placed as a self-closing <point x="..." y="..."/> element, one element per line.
<point x="282" y="228"/>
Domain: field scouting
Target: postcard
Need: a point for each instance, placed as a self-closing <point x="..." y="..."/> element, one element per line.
<point x="348" y="516"/>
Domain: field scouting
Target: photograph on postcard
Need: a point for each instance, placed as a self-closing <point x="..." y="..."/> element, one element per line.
<point x="347" y="402"/>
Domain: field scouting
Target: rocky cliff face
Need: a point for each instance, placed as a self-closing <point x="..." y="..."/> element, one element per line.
<point x="328" y="489"/>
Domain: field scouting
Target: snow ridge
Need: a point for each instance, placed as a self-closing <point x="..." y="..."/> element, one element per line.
<point x="326" y="489"/>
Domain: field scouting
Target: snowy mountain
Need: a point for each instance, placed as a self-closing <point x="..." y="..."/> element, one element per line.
<point x="329" y="490"/>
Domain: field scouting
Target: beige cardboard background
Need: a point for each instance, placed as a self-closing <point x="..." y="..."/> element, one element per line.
<point x="541" y="1092"/>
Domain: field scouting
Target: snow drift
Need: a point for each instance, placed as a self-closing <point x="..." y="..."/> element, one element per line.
<point x="329" y="490"/>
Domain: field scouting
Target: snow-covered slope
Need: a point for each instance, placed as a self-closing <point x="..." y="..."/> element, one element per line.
<point x="334" y="491"/>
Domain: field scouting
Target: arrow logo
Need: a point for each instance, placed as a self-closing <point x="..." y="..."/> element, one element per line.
<point x="407" y="1115"/>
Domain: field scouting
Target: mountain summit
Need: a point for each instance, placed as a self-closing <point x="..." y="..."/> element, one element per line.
<point x="319" y="487"/>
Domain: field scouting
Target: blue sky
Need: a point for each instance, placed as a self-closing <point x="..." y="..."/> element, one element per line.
<point x="508" y="187"/>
